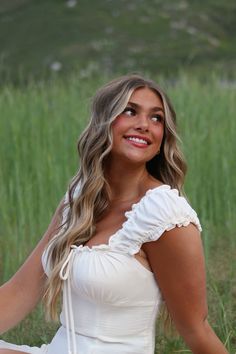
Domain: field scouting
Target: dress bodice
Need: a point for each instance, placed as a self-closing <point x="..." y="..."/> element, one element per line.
<point x="108" y="295"/>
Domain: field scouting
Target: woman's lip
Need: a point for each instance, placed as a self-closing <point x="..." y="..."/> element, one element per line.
<point x="136" y="144"/>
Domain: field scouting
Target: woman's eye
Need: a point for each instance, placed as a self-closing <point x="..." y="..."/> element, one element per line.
<point x="157" y="118"/>
<point x="129" y="111"/>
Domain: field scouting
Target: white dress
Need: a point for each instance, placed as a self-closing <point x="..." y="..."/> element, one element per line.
<point x="110" y="300"/>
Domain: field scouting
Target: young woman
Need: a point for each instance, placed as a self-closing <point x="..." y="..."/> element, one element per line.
<point x="122" y="241"/>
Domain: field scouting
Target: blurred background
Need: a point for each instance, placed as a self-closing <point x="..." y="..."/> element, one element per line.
<point x="54" y="55"/>
<point x="109" y="36"/>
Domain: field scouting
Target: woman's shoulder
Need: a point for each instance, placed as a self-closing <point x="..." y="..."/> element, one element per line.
<point x="161" y="209"/>
<point x="165" y="198"/>
<point x="162" y="197"/>
<point x="164" y="205"/>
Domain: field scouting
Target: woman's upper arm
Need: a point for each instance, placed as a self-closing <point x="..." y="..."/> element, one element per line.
<point x="27" y="283"/>
<point x="177" y="261"/>
<point x="30" y="276"/>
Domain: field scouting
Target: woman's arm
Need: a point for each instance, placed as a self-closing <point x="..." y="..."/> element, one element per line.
<point x="23" y="291"/>
<point x="177" y="261"/>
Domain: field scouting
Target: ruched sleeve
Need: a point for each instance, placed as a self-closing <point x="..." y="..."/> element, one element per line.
<point x="160" y="210"/>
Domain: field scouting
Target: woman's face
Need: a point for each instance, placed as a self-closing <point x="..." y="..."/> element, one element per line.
<point x="138" y="131"/>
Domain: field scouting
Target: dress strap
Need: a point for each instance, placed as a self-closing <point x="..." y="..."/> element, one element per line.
<point x="67" y="301"/>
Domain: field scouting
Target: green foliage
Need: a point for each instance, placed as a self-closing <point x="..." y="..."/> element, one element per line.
<point x="39" y="128"/>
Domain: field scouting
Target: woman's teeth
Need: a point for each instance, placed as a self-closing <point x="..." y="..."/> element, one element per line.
<point x="137" y="140"/>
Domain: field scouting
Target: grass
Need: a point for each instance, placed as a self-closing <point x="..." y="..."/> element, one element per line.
<point x="39" y="128"/>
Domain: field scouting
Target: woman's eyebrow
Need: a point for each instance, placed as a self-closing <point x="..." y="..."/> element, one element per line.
<point x="136" y="105"/>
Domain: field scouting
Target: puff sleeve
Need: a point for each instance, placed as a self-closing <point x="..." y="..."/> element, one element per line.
<point x="160" y="210"/>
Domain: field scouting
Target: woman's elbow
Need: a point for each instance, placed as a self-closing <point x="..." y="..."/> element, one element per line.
<point x="201" y="338"/>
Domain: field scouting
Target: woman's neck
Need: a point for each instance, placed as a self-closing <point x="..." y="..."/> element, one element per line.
<point x="127" y="183"/>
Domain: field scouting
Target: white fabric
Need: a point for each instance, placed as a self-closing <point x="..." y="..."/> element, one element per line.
<point x="65" y="276"/>
<point x="160" y="210"/>
<point x="110" y="300"/>
<point x="24" y="348"/>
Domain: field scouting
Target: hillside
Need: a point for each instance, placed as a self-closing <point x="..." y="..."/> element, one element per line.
<point x="40" y="37"/>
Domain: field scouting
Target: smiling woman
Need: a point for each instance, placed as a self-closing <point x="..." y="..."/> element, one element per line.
<point x="122" y="241"/>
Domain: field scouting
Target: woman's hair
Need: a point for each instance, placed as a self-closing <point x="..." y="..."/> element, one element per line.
<point x="94" y="146"/>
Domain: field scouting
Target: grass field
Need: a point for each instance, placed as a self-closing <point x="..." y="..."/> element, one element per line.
<point x="39" y="126"/>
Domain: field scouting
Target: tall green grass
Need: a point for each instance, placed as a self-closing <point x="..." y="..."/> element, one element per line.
<point x="39" y="127"/>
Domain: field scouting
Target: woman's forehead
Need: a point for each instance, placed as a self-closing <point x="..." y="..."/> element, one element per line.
<point x="146" y="97"/>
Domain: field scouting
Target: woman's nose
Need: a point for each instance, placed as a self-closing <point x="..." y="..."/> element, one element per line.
<point x="142" y="122"/>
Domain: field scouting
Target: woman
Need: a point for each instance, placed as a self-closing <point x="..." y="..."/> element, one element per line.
<point x="122" y="240"/>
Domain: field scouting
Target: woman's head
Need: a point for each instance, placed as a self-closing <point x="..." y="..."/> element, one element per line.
<point x="108" y="103"/>
<point x="137" y="133"/>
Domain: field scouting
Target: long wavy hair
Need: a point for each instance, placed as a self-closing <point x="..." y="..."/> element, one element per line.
<point x="94" y="146"/>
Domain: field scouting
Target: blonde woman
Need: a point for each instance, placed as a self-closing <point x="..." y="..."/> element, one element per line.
<point x="122" y="241"/>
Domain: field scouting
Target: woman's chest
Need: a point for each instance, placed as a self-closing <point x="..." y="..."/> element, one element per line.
<point x="100" y="274"/>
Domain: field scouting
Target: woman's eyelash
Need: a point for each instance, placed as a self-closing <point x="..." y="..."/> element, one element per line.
<point x="127" y="109"/>
<point x="133" y="112"/>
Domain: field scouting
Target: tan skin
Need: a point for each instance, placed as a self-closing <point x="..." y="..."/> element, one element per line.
<point x="27" y="283"/>
<point x="176" y="259"/>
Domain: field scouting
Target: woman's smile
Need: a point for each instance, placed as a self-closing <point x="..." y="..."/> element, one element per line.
<point x="138" y="131"/>
<point x="137" y="141"/>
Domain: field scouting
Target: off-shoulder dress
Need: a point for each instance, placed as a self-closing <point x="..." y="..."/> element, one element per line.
<point x="110" y="300"/>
